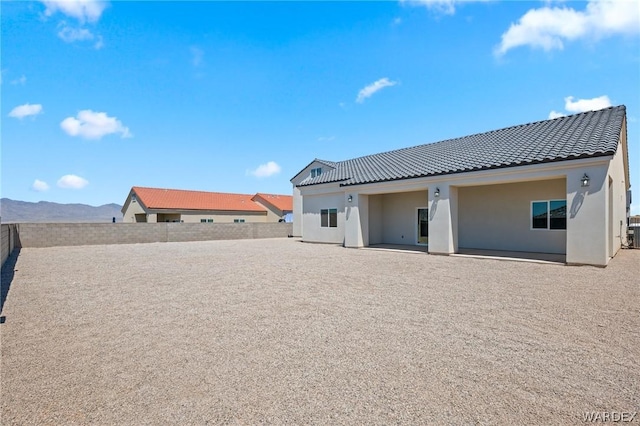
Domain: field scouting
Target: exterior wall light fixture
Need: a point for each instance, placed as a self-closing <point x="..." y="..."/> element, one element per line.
<point x="585" y="180"/>
<point x="437" y="193"/>
<point x="350" y="198"/>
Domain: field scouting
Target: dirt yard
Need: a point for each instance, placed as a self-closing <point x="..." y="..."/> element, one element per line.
<point x="279" y="331"/>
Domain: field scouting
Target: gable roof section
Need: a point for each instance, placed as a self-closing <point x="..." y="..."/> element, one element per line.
<point x="281" y="202"/>
<point x="178" y="199"/>
<point x="585" y="135"/>
<point x="331" y="164"/>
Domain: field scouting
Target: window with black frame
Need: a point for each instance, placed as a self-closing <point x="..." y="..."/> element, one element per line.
<point x="549" y="214"/>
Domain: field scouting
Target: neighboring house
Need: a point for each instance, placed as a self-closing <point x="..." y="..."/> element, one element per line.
<point x="279" y="207"/>
<point x="554" y="186"/>
<point x="176" y="205"/>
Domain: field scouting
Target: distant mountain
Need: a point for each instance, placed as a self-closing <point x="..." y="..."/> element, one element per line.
<point x="44" y="211"/>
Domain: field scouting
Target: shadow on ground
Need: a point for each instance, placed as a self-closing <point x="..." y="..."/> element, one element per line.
<point x="6" y="277"/>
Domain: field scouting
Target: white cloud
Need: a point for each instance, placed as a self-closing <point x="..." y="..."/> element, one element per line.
<point x="197" y="55"/>
<point x="373" y="88"/>
<point x="82" y="10"/>
<point x="72" y="182"/>
<point x="40" y="186"/>
<point x="70" y="35"/>
<point x="549" y="27"/>
<point x="265" y="170"/>
<point x="583" y="105"/>
<point x="93" y="125"/>
<point x="22" y="80"/>
<point x="25" y="110"/>
<point x="445" y="7"/>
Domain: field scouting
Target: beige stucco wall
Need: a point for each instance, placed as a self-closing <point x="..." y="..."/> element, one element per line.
<point x="500" y="199"/>
<point x="222" y="217"/>
<point x="497" y="217"/>
<point x="313" y="232"/>
<point x="618" y="210"/>
<point x="587" y="226"/>
<point x="375" y="219"/>
<point x="356" y="230"/>
<point x="273" y="214"/>
<point x="393" y="217"/>
<point x="297" y="212"/>
<point x="130" y="209"/>
<point x="298" y="208"/>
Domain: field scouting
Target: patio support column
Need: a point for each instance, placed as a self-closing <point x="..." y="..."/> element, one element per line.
<point x="297" y="212"/>
<point x="587" y="216"/>
<point x="356" y="229"/>
<point x="443" y="219"/>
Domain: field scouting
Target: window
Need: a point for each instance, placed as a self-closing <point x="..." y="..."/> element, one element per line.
<point x="550" y="214"/>
<point x="209" y="220"/>
<point x="238" y="220"/>
<point x="316" y="172"/>
<point x="206" y="220"/>
<point x="329" y="218"/>
<point x="134" y="199"/>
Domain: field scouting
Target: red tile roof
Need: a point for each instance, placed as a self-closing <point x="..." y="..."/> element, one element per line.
<point x="178" y="199"/>
<point x="281" y="202"/>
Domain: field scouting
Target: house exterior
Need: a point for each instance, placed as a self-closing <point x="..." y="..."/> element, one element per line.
<point x="176" y="205"/>
<point x="555" y="186"/>
<point x="279" y="207"/>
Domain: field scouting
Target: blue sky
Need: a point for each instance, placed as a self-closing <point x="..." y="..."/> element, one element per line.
<point x="239" y="96"/>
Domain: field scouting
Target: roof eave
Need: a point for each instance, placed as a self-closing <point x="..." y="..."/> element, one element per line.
<point x="479" y="169"/>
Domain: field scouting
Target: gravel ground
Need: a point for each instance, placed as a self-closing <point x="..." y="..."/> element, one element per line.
<point x="278" y="331"/>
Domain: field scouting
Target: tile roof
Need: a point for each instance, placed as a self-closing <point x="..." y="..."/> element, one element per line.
<point x="589" y="134"/>
<point x="178" y="199"/>
<point x="281" y="202"/>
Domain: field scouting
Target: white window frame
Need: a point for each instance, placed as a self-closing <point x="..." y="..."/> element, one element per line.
<point x="316" y="171"/>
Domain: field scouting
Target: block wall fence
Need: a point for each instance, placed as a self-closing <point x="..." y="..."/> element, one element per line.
<point x="9" y="240"/>
<point x="78" y="234"/>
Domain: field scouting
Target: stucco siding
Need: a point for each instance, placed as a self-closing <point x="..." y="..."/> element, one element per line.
<point x="399" y="220"/>
<point x="273" y="214"/>
<point x="298" y="208"/>
<point x="618" y="210"/>
<point x="587" y="226"/>
<point x="498" y="217"/>
<point x="130" y="211"/>
<point x="313" y="232"/>
<point x="375" y="219"/>
<point x="223" y="217"/>
<point x="297" y="212"/>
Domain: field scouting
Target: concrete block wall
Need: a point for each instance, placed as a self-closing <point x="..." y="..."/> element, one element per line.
<point x="9" y="240"/>
<point x="76" y="234"/>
